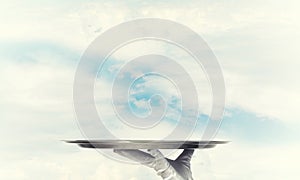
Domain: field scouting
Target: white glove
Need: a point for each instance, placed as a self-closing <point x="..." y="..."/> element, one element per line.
<point x="168" y="169"/>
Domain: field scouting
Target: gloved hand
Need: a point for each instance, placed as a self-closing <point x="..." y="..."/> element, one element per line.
<point x="168" y="169"/>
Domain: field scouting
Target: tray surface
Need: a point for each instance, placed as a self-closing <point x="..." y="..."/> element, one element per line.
<point x="145" y="144"/>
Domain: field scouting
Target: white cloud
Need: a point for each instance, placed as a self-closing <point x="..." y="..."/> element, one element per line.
<point x="255" y="42"/>
<point x="224" y="162"/>
<point x="247" y="38"/>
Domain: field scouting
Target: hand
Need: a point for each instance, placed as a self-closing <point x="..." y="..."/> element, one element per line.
<point x="168" y="169"/>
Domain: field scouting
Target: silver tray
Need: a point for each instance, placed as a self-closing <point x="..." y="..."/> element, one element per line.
<point x="145" y="144"/>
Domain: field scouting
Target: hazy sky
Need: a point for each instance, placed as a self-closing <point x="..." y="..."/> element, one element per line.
<point x="256" y="43"/>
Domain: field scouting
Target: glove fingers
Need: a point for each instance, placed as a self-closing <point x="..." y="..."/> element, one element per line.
<point x="137" y="156"/>
<point x="161" y="164"/>
<point x="156" y="153"/>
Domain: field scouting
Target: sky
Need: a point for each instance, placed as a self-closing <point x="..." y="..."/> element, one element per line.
<point x="256" y="44"/>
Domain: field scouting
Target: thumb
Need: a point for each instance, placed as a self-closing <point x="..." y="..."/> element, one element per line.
<point x="156" y="153"/>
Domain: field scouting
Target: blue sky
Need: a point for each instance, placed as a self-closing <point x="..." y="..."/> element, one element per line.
<point x="256" y="43"/>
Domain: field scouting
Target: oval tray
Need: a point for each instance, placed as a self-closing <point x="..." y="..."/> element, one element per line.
<point x="145" y="144"/>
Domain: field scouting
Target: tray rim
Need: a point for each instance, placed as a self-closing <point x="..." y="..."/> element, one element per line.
<point x="145" y="144"/>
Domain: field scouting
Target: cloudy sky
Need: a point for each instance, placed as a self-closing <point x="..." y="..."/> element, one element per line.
<point x="256" y="44"/>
